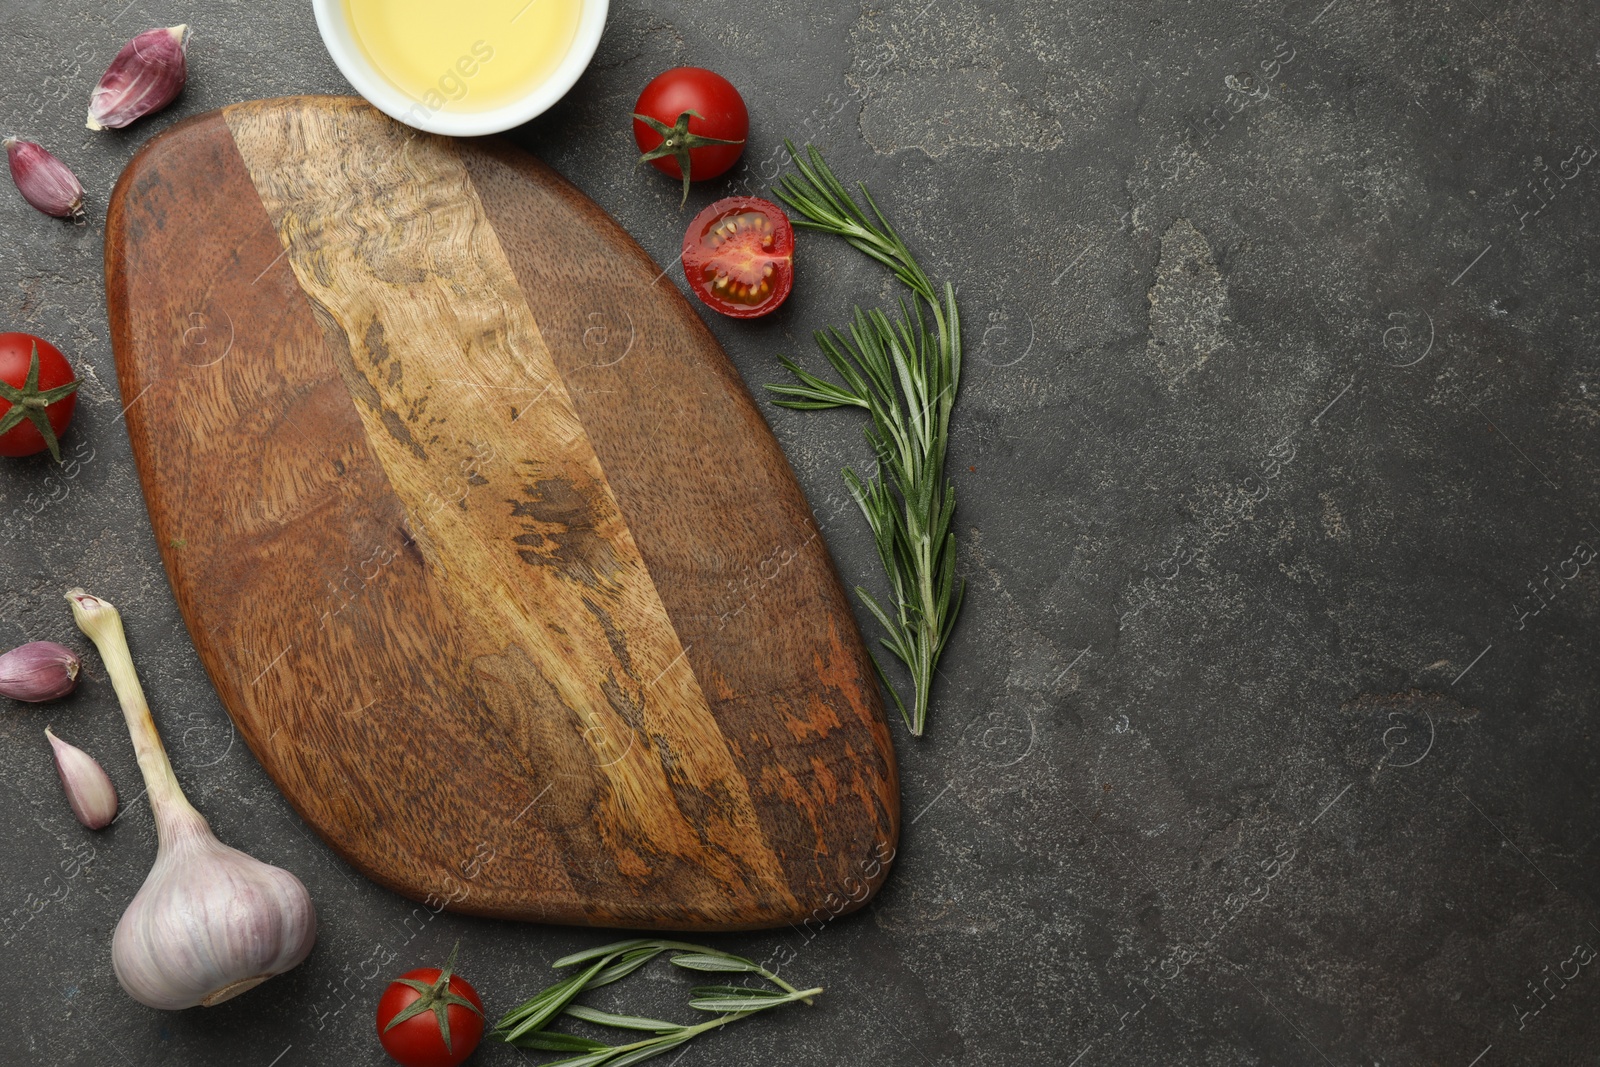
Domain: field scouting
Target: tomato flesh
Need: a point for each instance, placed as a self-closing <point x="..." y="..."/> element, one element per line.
<point x="739" y="256"/>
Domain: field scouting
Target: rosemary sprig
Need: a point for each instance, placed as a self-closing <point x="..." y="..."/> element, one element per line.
<point x="526" y="1025"/>
<point x="905" y="376"/>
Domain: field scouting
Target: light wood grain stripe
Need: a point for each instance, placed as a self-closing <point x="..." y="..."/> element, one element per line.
<point x="467" y="414"/>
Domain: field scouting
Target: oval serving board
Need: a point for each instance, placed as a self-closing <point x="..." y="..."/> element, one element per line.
<point x="488" y="551"/>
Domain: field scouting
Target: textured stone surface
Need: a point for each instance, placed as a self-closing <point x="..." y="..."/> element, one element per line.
<point x="1252" y="748"/>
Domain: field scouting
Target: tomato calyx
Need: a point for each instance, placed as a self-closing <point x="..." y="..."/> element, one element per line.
<point x="437" y="998"/>
<point x="678" y="142"/>
<point x="29" y="402"/>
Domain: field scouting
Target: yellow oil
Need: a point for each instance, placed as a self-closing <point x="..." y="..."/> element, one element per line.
<point x="465" y="55"/>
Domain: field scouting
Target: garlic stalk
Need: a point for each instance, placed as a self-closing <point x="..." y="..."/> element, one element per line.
<point x="209" y="922"/>
<point x="90" y="794"/>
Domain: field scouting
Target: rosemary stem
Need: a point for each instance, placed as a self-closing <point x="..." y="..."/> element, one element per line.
<point x="769" y="976"/>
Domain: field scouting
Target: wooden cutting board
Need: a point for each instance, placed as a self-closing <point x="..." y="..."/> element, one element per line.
<point x="493" y="560"/>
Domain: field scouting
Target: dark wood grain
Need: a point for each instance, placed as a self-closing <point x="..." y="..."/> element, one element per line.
<point x="482" y="540"/>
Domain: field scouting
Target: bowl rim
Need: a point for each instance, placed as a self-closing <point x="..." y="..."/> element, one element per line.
<point x="339" y="38"/>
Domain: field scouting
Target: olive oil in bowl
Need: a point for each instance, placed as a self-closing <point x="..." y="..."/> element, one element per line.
<point x="465" y="56"/>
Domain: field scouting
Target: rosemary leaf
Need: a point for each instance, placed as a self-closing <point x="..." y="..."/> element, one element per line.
<point x="747" y="1001"/>
<point x="649" y="1051"/>
<point x="621" y="1022"/>
<point x="701" y="961"/>
<point x="614" y="949"/>
<point x="605" y="1054"/>
<point x="753" y="992"/>
<point x="629" y="962"/>
<point x="904" y="371"/>
<point x="556" y="1041"/>
<point x="547" y="1005"/>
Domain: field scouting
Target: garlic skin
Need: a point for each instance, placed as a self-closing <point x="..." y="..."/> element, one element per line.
<point x="90" y="794"/>
<point x="210" y="922"/>
<point x="44" y="181"/>
<point x="39" y="671"/>
<point x="147" y="75"/>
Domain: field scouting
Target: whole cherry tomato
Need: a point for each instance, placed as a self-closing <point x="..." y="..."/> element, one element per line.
<point x="430" y="1017"/>
<point x="38" y="393"/>
<point x="739" y="256"/>
<point x="691" y="123"/>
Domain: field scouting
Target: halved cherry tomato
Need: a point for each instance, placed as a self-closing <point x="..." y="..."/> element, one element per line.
<point x="739" y="256"/>
<point x="38" y="393"/>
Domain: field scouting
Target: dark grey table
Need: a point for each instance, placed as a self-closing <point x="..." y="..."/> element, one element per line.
<point x="1266" y="738"/>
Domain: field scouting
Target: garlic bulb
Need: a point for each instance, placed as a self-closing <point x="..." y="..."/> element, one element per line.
<point x="210" y="922"/>
<point x="90" y="794"/>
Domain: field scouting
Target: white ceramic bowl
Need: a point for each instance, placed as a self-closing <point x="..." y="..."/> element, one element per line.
<point x="382" y="93"/>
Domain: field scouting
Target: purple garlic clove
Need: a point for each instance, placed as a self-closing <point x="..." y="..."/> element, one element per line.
<point x="43" y="180"/>
<point x="89" y="791"/>
<point x="38" y="671"/>
<point x="147" y="75"/>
